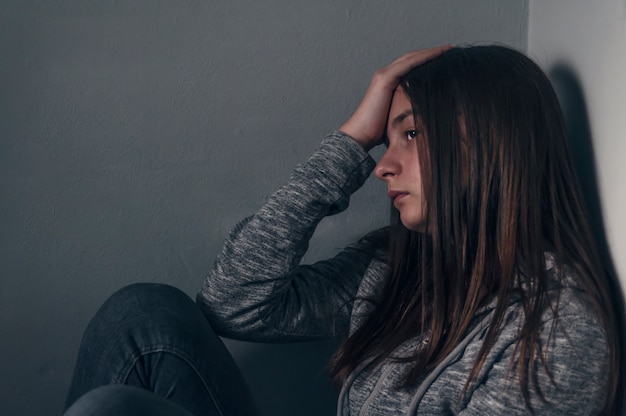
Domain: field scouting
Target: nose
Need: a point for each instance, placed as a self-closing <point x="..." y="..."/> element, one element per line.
<point x="388" y="166"/>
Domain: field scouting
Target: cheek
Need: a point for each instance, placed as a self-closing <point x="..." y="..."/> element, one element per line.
<point x="413" y="209"/>
<point x="416" y="171"/>
<point x="422" y="167"/>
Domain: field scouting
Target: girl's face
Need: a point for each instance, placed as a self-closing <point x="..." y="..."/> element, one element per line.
<point x="400" y="167"/>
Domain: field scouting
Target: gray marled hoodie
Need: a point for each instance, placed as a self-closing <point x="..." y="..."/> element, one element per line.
<point x="259" y="291"/>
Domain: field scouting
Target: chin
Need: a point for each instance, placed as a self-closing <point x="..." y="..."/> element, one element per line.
<point x="413" y="218"/>
<point x="418" y="226"/>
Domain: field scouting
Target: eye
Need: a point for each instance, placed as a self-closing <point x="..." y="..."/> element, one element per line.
<point x="411" y="134"/>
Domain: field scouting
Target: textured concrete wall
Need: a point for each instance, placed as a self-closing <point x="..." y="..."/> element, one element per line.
<point x="134" y="135"/>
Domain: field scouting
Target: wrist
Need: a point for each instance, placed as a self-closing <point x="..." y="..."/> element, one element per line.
<point x="366" y="143"/>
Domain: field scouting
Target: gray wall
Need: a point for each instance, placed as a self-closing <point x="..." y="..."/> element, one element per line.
<point x="595" y="53"/>
<point x="134" y="135"/>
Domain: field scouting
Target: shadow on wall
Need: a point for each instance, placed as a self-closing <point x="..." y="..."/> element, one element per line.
<point x="571" y="98"/>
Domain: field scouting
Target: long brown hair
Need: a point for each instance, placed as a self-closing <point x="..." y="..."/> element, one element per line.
<point x="501" y="193"/>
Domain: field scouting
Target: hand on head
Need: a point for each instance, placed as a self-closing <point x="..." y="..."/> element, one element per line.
<point x="367" y="124"/>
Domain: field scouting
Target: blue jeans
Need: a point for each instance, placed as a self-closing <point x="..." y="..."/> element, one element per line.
<point x="150" y="350"/>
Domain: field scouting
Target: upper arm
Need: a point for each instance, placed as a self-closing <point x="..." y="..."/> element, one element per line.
<point x="308" y="302"/>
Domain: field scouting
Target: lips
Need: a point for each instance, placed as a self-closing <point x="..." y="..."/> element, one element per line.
<point x="396" y="195"/>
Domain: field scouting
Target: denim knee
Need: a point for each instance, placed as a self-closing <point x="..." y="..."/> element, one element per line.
<point x="117" y="400"/>
<point x="145" y="302"/>
<point x="144" y="295"/>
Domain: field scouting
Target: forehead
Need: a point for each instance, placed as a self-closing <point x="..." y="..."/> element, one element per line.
<point x="401" y="110"/>
<point x="400" y="100"/>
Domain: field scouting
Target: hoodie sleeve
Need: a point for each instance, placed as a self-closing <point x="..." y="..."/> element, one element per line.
<point x="258" y="290"/>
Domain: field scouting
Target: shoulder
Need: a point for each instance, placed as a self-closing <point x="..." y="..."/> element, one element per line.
<point x="574" y="356"/>
<point x="575" y="344"/>
<point x="570" y="370"/>
<point x="577" y="355"/>
<point x="571" y="318"/>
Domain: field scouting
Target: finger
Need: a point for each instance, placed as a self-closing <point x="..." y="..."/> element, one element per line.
<point x="424" y="54"/>
<point x="412" y="59"/>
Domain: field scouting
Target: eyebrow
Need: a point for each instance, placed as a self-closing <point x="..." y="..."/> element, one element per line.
<point x="400" y="117"/>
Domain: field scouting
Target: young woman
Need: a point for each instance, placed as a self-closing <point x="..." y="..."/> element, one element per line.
<point x="486" y="295"/>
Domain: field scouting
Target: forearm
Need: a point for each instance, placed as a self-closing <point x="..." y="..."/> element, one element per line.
<point x="257" y="289"/>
